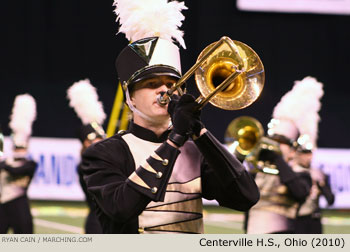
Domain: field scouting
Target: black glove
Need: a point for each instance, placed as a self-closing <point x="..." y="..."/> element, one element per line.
<point x="174" y="100"/>
<point x="268" y="155"/>
<point x="185" y="118"/>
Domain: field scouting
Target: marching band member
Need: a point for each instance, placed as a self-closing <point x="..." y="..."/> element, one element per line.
<point x="83" y="99"/>
<point x="309" y="216"/>
<point x="308" y="219"/>
<point x="283" y="192"/>
<point x="17" y="170"/>
<point x="151" y="178"/>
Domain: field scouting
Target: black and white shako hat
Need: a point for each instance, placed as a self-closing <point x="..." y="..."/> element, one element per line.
<point x="152" y="27"/>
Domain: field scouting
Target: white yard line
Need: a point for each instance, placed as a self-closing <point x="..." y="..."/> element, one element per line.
<point x="58" y="226"/>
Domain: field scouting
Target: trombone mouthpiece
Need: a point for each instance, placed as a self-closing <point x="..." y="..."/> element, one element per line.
<point x="161" y="100"/>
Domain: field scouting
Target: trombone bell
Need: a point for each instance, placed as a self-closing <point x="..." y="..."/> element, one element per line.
<point x="232" y="57"/>
<point x="228" y="74"/>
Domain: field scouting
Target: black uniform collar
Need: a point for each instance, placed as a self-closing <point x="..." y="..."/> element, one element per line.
<point x="147" y="134"/>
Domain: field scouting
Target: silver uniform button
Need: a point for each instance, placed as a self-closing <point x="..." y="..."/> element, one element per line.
<point x="159" y="175"/>
<point x="154" y="189"/>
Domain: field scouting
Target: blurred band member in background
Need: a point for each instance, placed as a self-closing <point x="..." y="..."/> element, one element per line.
<point x="151" y="178"/>
<point x="309" y="214"/>
<point x="283" y="191"/>
<point x="83" y="98"/>
<point x="17" y="170"/>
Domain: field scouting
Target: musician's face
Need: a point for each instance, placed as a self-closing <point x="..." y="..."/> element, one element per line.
<point x="287" y="152"/>
<point x="144" y="97"/>
<point x="88" y="142"/>
<point x="304" y="159"/>
<point x="20" y="150"/>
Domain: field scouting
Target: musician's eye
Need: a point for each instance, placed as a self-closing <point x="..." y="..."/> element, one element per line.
<point x="169" y="84"/>
<point x="153" y="84"/>
<point x="157" y="84"/>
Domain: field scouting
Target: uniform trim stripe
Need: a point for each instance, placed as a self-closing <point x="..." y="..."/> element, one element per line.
<point x="148" y="167"/>
<point x="155" y="156"/>
<point x="190" y="206"/>
<point x="137" y="180"/>
<point x="193" y="186"/>
<point x="190" y="226"/>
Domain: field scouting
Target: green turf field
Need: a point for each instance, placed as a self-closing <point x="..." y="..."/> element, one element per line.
<point x="69" y="217"/>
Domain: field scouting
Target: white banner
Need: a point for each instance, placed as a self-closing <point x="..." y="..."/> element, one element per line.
<point x="56" y="176"/>
<point x="297" y="6"/>
<point x="336" y="164"/>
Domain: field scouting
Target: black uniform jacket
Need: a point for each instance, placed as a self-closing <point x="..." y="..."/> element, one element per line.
<point x="108" y="164"/>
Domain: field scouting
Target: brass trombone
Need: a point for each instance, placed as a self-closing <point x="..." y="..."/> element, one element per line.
<point x="228" y="74"/>
<point x="245" y="138"/>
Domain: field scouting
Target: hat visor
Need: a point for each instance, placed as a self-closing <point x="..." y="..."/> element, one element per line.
<point x="153" y="71"/>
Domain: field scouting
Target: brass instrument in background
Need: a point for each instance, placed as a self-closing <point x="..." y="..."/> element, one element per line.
<point x="228" y="74"/>
<point x="245" y="138"/>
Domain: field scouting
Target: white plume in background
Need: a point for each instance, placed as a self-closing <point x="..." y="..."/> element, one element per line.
<point x="84" y="100"/>
<point x="22" y="118"/>
<point x="301" y="105"/>
<point x="148" y="18"/>
<point x="312" y="92"/>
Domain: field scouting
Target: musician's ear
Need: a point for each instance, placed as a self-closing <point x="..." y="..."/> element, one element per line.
<point x="132" y="99"/>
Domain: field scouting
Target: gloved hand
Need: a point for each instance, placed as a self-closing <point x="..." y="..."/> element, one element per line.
<point x="268" y="155"/>
<point x="185" y="118"/>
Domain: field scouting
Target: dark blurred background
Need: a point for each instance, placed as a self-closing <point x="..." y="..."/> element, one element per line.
<point x="47" y="45"/>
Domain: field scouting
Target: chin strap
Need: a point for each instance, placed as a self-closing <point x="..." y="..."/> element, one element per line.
<point x="133" y="109"/>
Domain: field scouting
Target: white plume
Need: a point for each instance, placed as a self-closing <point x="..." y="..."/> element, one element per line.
<point x="301" y="105"/>
<point x="308" y="123"/>
<point x="84" y="100"/>
<point x="148" y="18"/>
<point x="22" y="118"/>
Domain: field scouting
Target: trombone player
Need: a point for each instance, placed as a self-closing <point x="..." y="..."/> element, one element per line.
<point x="151" y="178"/>
<point x="283" y="192"/>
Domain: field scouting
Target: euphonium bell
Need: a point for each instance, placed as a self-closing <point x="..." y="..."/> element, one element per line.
<point x="245" y="139"/>
<point x="228" y="74"/>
